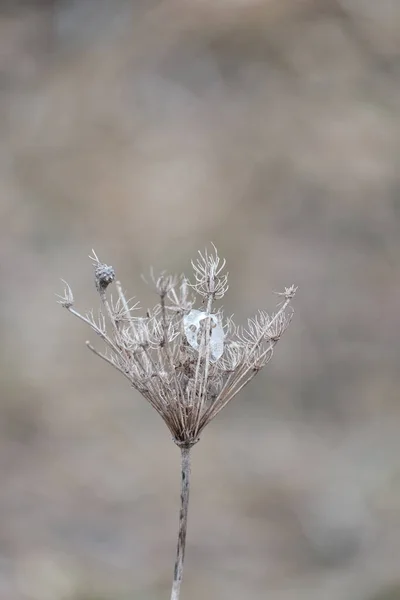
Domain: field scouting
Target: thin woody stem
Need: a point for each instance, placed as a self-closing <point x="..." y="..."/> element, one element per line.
<point x="183" y="514"/>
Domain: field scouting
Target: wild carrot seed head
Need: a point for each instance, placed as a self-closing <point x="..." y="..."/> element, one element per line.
<point x="187" y="362"/>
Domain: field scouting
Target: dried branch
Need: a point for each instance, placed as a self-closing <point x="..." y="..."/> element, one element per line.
<point x="188" y="363"/>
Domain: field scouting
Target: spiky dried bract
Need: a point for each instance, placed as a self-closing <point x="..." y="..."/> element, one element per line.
<point x="210" y="282"/>
<point x="67" y="298"/>
<point x="188" y="363"/>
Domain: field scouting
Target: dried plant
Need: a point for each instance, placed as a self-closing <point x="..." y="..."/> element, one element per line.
<point x="187" y="362"/>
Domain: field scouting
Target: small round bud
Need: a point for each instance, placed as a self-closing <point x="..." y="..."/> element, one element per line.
<point x="103" y="275"/>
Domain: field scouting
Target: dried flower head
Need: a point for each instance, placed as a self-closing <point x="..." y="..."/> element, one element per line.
<point x="187" y="362"/>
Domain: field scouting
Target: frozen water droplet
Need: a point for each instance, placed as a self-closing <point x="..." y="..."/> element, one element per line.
<point x="191" y="324"/>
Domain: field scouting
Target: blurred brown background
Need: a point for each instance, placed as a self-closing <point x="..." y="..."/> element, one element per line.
<point x="145" y="130"/>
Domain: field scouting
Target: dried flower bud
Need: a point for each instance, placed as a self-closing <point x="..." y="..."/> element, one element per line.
<point x="103" y="275"/>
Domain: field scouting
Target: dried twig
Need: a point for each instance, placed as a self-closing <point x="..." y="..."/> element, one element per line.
<point x="188" y="363"/>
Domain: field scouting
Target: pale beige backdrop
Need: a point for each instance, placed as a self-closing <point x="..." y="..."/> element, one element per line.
<point x="146" y="130"/>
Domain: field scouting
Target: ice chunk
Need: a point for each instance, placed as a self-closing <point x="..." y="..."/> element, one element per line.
<point x="192" y="327"/>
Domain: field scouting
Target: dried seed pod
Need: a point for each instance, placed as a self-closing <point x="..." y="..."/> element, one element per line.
<point x="103" y="275"/>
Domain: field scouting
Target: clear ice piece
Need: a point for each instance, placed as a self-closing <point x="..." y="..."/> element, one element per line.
<point x="191" y="324"/>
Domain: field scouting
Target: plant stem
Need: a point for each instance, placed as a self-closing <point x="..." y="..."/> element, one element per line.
<point x="183" y="514"/>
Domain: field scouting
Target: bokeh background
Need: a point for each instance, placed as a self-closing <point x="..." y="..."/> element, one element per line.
<point x="146" y="129"/>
